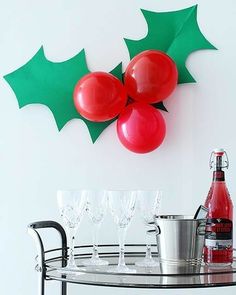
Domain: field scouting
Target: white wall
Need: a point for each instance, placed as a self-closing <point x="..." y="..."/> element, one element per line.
<point x="36" y="160"/>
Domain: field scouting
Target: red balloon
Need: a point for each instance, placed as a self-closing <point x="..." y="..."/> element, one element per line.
<point x="99" y="96"/>
<point x="141" y="128"/>
<point x="151" y="76"/>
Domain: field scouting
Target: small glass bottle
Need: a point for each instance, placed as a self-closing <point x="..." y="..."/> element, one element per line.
<point x="218" y="250"/>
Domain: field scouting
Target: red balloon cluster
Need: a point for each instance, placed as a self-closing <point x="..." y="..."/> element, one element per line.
<point x="150" y="77"/>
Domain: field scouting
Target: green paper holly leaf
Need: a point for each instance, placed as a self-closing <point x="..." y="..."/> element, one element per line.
<point x="41" y="81"/>
<point x="160" y="106"/>
<point x="177" y="33"/>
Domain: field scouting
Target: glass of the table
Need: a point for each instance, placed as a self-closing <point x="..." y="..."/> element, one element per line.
<point x="202" y="276"/>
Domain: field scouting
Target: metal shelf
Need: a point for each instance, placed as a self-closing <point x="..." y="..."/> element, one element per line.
<point x="50" y="261"/>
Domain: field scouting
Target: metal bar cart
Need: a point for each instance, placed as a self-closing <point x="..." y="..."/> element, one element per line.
<point x="50" y="262"/>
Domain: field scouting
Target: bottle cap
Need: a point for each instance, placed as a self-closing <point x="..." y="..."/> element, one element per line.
<point x="219" y="151"/>
<point x="219" y="159"/>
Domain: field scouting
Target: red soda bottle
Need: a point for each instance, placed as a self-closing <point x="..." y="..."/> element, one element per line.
<point x="218" y="250"/>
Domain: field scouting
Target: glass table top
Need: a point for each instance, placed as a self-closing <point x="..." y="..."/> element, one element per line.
<point x="161" y="276"/>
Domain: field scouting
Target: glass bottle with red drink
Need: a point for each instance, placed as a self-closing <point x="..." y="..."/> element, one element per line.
<point x="218" y="250"/>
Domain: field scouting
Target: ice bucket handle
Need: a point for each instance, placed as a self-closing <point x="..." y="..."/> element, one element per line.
<point x="156" y="230"/>
<point x="201" y="229"/>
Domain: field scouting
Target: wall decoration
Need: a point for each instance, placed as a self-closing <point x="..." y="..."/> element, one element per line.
<point x="176" y="33"/>
<point x="99" y="96"/>
<point x="151" y="76"/>
<point x="141" y="128"/>
<point x="41" y="81"/>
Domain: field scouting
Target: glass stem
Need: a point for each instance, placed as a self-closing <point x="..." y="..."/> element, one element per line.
<point x="148" y="245"/>
<point x="95" y="241"/>
<point x="122" y="235"/>
<point x="71" y="240"/>
<point x="148" y="252"/>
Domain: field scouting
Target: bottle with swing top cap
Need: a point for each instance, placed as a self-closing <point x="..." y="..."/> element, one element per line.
<point x="218" y="250"/>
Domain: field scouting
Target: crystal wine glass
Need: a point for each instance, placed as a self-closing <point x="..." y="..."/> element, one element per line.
<point x="148" y="204"/>
<point x="72" y="204"/>
<point x="96" y="209"/>
<point x="122" y="205"/>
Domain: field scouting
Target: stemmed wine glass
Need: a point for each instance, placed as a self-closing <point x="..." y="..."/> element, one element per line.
<point x="122" y="205"/>
<point x="72" y="204"/>
<point x="96" y="209"/>
<point x="148" y="204"/>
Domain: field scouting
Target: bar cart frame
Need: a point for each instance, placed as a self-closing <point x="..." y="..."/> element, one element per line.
<point x="43" y="266"/>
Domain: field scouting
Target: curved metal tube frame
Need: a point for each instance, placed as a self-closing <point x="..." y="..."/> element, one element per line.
<point x="41" y="267"/>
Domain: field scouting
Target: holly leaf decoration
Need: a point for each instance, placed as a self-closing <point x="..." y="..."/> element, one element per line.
<point x="160" y="106"/>
<point x="176" y="33"/>
<point x="41" y="81"/>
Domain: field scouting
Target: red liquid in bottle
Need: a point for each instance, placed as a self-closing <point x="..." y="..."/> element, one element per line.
<point x="218" y="250"/>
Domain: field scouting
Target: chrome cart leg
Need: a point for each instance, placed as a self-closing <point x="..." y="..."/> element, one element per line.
<point x="39" y="259"/>
<point x="41" y="283"/>
<point x="63" y="288"/>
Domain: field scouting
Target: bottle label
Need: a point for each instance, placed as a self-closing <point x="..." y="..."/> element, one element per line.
<point x="218" y="176"/>
<point x="219" y="232"/>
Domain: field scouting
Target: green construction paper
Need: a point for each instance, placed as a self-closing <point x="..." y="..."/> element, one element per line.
<point x="41" y="81"/>
<point x="160" y="106"/>
<point x="177" y="33"/>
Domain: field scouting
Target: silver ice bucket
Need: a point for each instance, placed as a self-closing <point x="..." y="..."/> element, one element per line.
<point x="180" y="241"/>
